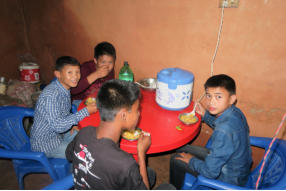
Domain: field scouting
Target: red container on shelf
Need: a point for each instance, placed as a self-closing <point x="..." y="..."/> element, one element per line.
<point x="29" y="72"/>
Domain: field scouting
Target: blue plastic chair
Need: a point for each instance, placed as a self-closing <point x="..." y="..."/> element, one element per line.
<point x="15" y="145"/>
<point x="74" y="109"/>
<point x="273" y="177"/>
<point x="65" y="183"/>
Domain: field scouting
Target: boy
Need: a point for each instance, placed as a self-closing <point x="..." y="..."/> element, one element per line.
<point x="95" y="72"/>
<point x="50" y="132"/>
<point x="228" y="158"/>
<point x="98" y="161"/>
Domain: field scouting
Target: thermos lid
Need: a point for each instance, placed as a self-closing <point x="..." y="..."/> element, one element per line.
<point x="29" y="65"/>
<point x="175" y="76"/>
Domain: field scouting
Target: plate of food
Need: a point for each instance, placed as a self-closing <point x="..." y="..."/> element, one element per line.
<point x="90" y="100"/>
<point x="188" y="119"/>
<point x="132" y="135"/>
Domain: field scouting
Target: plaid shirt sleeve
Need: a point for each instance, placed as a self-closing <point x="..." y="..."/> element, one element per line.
<point x="58" y="118"/>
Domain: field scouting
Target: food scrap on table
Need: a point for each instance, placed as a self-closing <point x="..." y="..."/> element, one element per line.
<point x="178" y="127"/>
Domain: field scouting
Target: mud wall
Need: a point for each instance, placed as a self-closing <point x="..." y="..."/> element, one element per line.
<point x="156" y="34"/>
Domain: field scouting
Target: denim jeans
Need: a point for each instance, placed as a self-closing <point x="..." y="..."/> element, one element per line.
<point x="60" y="152"/>
<point x="178" y="168"/>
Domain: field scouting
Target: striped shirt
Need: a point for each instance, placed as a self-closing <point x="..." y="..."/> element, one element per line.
<point x="53" y="117"/>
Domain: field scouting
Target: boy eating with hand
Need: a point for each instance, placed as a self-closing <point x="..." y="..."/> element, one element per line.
<point x="54" y="123"/>
<point x="98" y="162"/>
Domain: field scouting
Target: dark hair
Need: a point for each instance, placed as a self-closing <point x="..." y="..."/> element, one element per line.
<point x="104" y="48"/>
<point x="66" y="60"/>
<point x="221" y="80"/>
<point x="115" y="95"/>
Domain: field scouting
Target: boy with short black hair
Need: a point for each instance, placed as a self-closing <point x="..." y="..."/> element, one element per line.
<point x="228" y="158"/>
<point x="98" y="161"/>
<point x="54" y="123"/>
<point x="95" y="72"/>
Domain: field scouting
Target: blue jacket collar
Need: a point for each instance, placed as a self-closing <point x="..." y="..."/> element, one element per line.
<point x="227" y="112"/>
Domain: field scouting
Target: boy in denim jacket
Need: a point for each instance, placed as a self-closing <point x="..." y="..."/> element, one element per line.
<point x="228" y="157"/>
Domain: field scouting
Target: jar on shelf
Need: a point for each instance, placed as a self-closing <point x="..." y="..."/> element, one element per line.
<point x="3" y="86"/>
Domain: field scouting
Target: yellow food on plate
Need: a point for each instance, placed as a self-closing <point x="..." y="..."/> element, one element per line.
<point x="188" y="119"/>
<point x="131" y="135"/>
<point x="90" y="100"/>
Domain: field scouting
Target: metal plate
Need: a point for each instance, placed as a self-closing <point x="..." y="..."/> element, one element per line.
<point x="148" y="83"/>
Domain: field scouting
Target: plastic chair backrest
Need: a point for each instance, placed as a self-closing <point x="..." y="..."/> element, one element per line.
<point x="273" y="177"/>
<point x="274" y="172"/>
<point x="15" y="145"/>
<point x="74" y="108"/>
<point x="12" y="134"/>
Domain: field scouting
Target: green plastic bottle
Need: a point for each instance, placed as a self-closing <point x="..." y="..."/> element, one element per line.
<point x="126" y="73"/>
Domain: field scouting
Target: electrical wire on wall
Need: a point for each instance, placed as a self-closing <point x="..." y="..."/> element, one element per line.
<point x="216" y="48"/>
<point x="218" y="40"/>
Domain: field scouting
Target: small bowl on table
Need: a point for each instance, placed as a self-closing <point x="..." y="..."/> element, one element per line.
<point x="90" y="100"/>
<point x="188" y="119"/>
<point x="131" y="135"/>
<point x="148" y="84"/>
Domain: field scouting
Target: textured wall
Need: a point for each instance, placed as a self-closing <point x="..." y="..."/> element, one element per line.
<point x="13" y="40"/>
<point x="156" y="34"/>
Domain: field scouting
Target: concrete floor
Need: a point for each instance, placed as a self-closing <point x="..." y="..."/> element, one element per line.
<point x="159" y="162"/>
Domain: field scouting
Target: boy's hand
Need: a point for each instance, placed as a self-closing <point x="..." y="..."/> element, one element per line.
<point x="102" y="71"/>
<point x="91" y="108"/>
<point x="143" y="144"/>
<point x="185" y="157"/>
<point x="200" y="109"/>
<point x="74" y="128"/>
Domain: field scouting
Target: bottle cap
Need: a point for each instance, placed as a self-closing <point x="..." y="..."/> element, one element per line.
<point x="126" y="63"/>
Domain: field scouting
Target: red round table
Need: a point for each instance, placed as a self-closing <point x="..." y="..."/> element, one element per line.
<point x="159" y="122"/>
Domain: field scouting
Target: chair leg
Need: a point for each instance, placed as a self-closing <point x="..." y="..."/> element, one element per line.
<point x="64" y="170"/>
<point x="20" y="177"/>
<point x="21" y="182"/>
